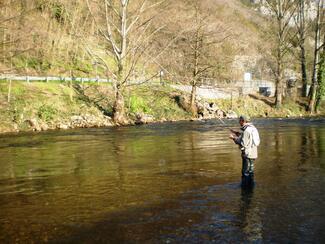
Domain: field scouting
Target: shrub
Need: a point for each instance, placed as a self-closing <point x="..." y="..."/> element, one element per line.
<point x="138" y="104"/>
<point x="46" y="112"/>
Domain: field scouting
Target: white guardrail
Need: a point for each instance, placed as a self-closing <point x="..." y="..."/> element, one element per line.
<point x="51" y="78"/>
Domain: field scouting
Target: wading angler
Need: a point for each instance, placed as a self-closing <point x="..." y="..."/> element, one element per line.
<point x="248" y="140"/>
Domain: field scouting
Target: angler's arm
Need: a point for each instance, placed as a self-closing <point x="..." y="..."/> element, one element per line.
<point x="237" y="133"/>
<point x="237" y="140"/>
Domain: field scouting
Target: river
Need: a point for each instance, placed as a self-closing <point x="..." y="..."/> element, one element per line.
<point x="163" y="183"/>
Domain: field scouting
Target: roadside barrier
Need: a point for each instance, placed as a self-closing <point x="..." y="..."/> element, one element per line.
<point x="51" y="78"/>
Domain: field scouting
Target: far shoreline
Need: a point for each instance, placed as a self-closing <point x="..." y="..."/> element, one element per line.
<point x="29" y="132"/>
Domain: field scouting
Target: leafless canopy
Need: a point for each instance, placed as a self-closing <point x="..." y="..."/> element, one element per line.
<point x="125" y="31"/>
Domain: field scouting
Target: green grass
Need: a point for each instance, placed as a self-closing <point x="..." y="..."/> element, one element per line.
<point x="31" y="62"/>
<point x="50" y="102"/>
<point x="156" y="101"/>
<point x="138" y="104"/>
<point x="292" y="108"/>
<point x="258" y="108"/>
<point x="47" y="112"/>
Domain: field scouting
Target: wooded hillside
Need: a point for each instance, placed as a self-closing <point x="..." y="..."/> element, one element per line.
<point x="186" y="41"/>
<point x="52" y="37"/>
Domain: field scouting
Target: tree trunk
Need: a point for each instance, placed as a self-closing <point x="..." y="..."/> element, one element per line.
<point x="278" y="97"/>
<point x="118" y="108"/>
<point x="312" y="99"/>
<point x="314" y="87"/>
<point x="279" y="82"/>
<point x="321" y="85"/>
<point x="9" y="90"/>
<point x="193" y="106"/>
<point x="280" y="41"/>
<point x="321" y="80"/>
<point x="119" y="116"/>
<point x="313" y="93"/>
<point x="303" y="72"/>
<point x="302" y="37"/>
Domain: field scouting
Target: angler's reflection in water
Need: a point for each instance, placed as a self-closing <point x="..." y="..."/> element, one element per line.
<point x="249" y="216"/>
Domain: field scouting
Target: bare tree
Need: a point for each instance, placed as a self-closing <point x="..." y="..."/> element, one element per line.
<point x="196" y="40"/>
<point x="12" y="15"/>
<point x="16" y="33"/>
<point x="202" y="41"/>
<point x="321" y="81"/>
<point x="318" y="47"/>
<point x="301" y="24"/>
<point x="282" y="12"/>
<point x="7" y="40"/>
<point x="124" y="30"/>
<point x="197" y="49"/>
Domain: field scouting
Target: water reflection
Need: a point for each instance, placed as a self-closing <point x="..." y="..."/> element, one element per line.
<point x="250" y="216"/>
<point x="172" y="182"/>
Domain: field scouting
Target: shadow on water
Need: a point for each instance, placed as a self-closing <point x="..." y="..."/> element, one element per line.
<point x="137" y="224"/>
<point x="195" y="216"/>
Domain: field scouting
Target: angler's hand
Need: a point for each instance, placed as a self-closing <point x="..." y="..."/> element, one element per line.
<point x="235" y="132"/>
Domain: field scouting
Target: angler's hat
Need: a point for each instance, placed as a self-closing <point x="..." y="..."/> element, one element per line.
<point x="245" y="118"/>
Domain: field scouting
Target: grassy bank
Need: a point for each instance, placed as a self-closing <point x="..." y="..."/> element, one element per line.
<point x="43" y="106"/>
<point x="259" y="106"/>
<point x="53" y="105"/>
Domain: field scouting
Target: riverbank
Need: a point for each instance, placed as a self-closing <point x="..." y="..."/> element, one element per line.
<point x="43" y="106"/>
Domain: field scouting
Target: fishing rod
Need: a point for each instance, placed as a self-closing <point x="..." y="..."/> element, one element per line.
<point x="221" y="120"/>
<point x="231" y="130"/>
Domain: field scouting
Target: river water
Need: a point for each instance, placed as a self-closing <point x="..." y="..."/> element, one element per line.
<point x="163" y="183"/>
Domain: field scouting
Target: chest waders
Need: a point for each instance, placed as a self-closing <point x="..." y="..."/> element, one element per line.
<point x="247" y="172"/>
